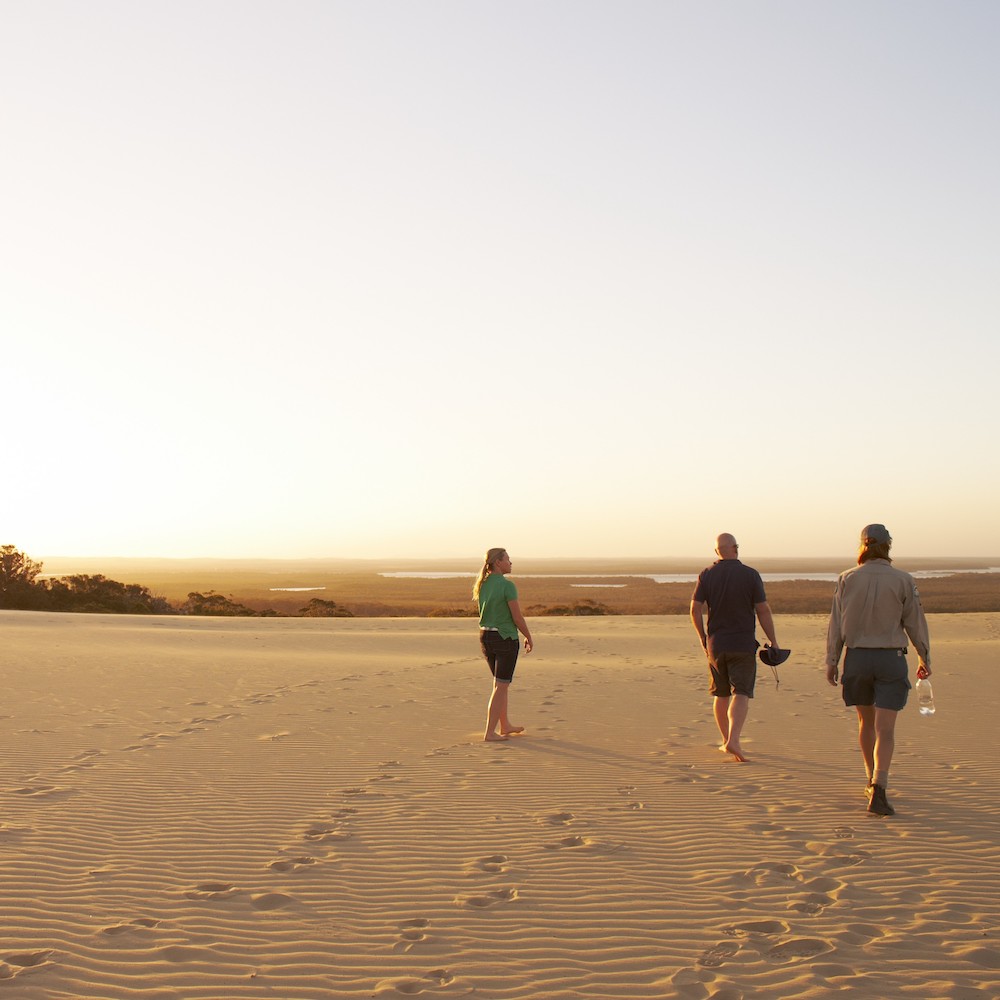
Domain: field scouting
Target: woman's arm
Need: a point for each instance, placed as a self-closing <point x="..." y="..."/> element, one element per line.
<point x="522" y="625"/>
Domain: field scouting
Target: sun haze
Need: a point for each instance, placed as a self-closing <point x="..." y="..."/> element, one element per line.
<point x="349" y="279"/>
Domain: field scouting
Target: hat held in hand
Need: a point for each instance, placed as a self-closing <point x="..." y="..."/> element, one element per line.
<point x="773" y="656"/>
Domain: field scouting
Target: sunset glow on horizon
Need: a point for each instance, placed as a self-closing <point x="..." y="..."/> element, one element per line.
<point x="345" y="279"/>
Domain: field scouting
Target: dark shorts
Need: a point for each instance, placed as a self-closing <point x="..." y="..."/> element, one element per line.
<point x="733" y="672"/>
<point x="500" y="653"/>
<point x="876" y="677"/>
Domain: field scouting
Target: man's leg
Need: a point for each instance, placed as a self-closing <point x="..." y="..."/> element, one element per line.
<point x="885" y="744"/>
<point x="877" y="737"/>
<point x="739" y="706"/>
<point x="720" y="706"/>
<point x="866" y="737"/>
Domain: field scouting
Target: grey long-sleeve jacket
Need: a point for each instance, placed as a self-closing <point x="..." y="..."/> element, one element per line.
<point x="876" y="606"/>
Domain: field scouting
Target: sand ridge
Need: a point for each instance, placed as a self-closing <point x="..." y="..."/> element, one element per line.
<point x="304" y="808"/>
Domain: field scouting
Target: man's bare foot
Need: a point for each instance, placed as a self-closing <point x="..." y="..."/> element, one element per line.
<point x="734" y="749"/>
<point x="512" y="730"/>
<point x="494" y="738"/>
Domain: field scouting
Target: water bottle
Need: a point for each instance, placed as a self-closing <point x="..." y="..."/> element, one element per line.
<point x="925" y="696"/>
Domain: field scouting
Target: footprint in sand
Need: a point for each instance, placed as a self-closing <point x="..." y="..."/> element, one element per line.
<point x="788" y="951"/>
<point x="838" y="856"/>
<point x="14" y="964"/>
<point x="773" y="873"/>
<point x="811" y="903"/>
<point x="36" y="791"/>
<point x="411" y="933"/>
<point x="437" y="979"/>
<point x="212" y="890"/>
<point x="324" y="833"/>
<point x="753" y="927"/>
<point x="689" y="776"/>
<point x="181" y="954"/>
<point x="284" y="865"/>
<point x="560" y="818"/>
<point x="569" y="842"/>
<point x="270" y="901"/>
<point x="489" y="899"/>
<point x="140" y="923"/>
<point x="714" y="957"/>
<point x="495" y="864"/>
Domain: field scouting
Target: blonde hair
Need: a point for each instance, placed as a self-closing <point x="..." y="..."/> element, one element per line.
<point x="492" y="556"/>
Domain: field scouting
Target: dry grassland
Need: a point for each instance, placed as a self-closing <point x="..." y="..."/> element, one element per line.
<point x="543" y="585"/>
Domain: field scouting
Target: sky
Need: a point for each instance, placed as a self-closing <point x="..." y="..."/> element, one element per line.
<point x="414" y="278"/>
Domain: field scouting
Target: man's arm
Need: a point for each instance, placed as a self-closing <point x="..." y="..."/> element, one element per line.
<point x="698" y="620"/>
<point x="915" y="626"/>
<point x="834" y="639"/>
<point x="766" y="620"/>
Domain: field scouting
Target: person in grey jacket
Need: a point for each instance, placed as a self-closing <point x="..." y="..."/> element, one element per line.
<point x="876" y="608"/>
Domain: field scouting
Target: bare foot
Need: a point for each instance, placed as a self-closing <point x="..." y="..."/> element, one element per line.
<point x="494" y="738"/>
<point x="512" y="730"/>
<point x="735" y="750"/>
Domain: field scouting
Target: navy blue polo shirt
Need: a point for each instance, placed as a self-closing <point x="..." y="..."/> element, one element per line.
<point x="731" y="591"/>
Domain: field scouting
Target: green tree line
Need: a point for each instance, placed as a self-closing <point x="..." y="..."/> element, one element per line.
<point x="22" y="589"/>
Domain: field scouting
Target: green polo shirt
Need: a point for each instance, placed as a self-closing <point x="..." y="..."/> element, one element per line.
<point x="495" y="596"/>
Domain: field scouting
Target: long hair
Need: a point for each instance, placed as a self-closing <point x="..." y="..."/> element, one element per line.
<point x="874" y="550"/>
<point x="488" y="562"/>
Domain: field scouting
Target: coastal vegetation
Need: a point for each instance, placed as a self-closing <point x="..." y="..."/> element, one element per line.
<point x="578" y="609"/>
<point x="369" y="589"/>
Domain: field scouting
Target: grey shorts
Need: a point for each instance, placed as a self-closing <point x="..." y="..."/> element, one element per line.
<point x="733" y="672"/>
<point x="876" y="677"/>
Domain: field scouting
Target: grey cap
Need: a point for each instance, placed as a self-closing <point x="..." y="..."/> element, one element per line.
<point x="877" y="533"/>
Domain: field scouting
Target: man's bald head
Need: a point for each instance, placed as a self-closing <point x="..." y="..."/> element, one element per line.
<point x="726" y="546"/>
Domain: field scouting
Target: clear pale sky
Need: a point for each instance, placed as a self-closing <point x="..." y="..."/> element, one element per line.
<point x="419" y="277"/>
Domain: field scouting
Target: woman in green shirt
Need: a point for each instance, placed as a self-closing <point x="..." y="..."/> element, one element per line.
<point x="500" y="620"/>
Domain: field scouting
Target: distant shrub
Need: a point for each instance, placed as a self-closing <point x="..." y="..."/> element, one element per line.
<point x="213" y="604"/>
<point x="318" y="608"/>
<point x="17" y="580"/>
<point x="586" y="607"/>
<point x="453" y="613"/>
<point x="98" y="594"/>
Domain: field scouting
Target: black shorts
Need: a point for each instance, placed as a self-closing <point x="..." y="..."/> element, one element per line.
<point x="733" y="672"/>
<point x="500" y="653"/>
<point x="876" y="677"/>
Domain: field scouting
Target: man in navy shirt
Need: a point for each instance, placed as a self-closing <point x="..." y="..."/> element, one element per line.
<point x="735" y="599"/>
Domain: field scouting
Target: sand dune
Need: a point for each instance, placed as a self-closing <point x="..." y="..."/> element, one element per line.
<point x="220" y="809"/>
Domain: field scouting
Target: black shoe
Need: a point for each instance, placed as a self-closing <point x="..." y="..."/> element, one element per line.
<point x="878" y="803"/>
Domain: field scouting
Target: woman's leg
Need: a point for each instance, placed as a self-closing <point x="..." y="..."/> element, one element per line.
<point x="496" y="711"/>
